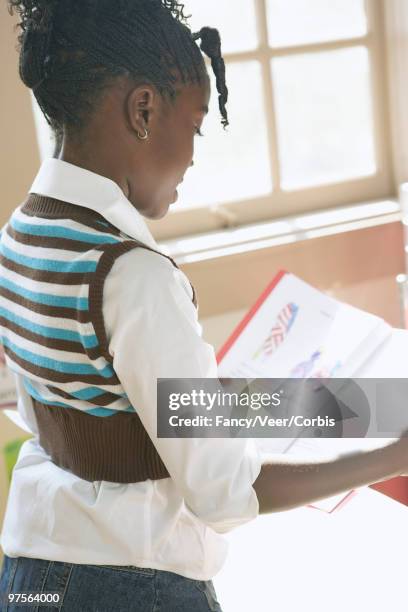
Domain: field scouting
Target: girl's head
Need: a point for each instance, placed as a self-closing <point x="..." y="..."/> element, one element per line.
<point x="124" y="86"/>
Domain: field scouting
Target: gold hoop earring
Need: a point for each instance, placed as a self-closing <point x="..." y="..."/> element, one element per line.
<point x="145" y="136"/>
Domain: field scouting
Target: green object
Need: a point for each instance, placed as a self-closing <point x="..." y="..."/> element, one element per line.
<point x="11" y="451"/>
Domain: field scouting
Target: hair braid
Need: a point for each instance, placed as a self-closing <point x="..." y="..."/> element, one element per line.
<point x="71" y="50"/>
<point x="211" y="46"/>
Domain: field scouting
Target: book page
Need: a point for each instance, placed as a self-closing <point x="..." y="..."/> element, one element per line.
<point x="299" y="332"/>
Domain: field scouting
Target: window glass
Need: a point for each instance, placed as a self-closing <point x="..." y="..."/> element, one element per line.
<point x="295" y="22"/>
<point x="234" y="19"/>
<point x="231" y="164"/>
<point x="324" y="117"/>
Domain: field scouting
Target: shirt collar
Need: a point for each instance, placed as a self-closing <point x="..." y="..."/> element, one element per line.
<point x="64" y="181"/>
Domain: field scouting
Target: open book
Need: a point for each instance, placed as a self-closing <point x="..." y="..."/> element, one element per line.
<point x="296" y="331"/>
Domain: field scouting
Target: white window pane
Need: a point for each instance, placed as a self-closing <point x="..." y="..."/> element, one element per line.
<point x="294" y="22"/>
<point x="231" y="164"/>
<point x="237" y="26"/>
<point x="324" y="117"/>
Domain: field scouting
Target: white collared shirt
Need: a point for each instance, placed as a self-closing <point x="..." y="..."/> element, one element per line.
<point x="171" y="524"/>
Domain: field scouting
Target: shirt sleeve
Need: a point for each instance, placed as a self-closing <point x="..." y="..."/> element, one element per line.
<point x="25" y="405"/>
<point x="153" y="332"/>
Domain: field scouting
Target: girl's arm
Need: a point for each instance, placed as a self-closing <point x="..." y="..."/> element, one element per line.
<point x="284" y="483"/>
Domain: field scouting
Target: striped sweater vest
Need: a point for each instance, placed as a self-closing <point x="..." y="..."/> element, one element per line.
<point x="54" y="258"/>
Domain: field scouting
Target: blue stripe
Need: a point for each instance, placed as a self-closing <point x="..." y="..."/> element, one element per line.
<point x="33" y="393"/>
<point x="88" y="393"/>
<point x="101" y="412"/>
<point x="49" y="265"/>
<point x="108" y="411"/>
<point x="53" y="364"/>
<point x="57" y="231"/>
<point x="88" y="341"/>
<point x="96" y="411"/>
<point x="45" y="298"/>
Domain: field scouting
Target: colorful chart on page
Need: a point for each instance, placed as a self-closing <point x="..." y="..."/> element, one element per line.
<point x="315" y="366"/>
<point x="293" y="330"/>
<point x="279" y="331"/>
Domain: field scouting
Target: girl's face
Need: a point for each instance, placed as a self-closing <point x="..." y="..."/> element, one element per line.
<point x="158" y="164"/>
<point x="148" y="171"/>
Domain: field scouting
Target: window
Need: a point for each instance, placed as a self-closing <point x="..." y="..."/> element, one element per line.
<point x="307" y="107"/>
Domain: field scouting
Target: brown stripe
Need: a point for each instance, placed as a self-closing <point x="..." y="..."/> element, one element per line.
<point x="50" y="208"/>
<point x="58" y="278"/>
<point x="83" y="316"/>
<point x="55" y="343"/>
<point x="50" y="243"/>
<point x="60" y="377"/>
<point x="102" y="400"/>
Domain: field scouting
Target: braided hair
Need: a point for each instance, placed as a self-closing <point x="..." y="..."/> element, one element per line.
<point x="71" y="50"/>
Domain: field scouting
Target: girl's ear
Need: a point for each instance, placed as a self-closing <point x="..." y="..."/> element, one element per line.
<point x="140" y="107"/>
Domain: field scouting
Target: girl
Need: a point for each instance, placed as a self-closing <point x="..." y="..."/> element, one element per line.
<point x="102" y="514"/>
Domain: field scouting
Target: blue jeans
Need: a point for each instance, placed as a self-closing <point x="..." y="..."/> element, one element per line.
<point x="101" y="588"/>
